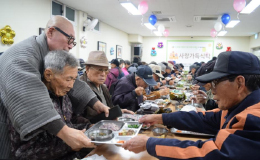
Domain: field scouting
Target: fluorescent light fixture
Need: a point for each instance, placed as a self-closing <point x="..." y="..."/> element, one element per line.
<point x="130" y="8"/>
<point x="251" y="7"/>
<point x="157" y="33"/>
<point x="222" y="33"/>
<point x="149" y="26"/>
<point x="232" y="23"/>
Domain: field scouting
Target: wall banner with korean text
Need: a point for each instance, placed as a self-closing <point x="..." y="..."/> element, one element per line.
<point x="189" y="51"/>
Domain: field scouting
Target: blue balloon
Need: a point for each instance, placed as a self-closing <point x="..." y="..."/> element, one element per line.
<point x="152" y="19"/>
<point x="225" y="18"/>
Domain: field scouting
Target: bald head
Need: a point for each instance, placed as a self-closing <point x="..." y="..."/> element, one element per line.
<point x="60" y="33"/>
<point x="58" y="21"/>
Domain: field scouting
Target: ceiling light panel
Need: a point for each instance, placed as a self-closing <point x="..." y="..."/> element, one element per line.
<point x="130" y="8"/>
<point x="149" y="26"/>
<point x="232" y="23"/>
<point x="222" y="33"/>
<point x="251" y="7"/>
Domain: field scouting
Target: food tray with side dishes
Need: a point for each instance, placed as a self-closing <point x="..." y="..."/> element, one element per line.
<point x="176" y="131"/>
<point x="113" y="132"/>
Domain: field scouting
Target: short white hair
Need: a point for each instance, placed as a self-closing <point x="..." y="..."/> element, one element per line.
<point x="57" y="60"/>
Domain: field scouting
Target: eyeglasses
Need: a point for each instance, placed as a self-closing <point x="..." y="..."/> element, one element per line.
<point x="70" y="38"/>
<point x="214" y="83"/>
<point x="100" y="70"/>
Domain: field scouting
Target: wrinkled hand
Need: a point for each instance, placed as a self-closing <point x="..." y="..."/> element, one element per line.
<point x="74" y="138"/>
<point x="100" y="107"/>
<point x="127" y="111"/>
<point x="144" y="98"/>
<point x="201" y="96"/>
<point x="139" y="91"/>
<point x="136" y="144"/>
<point x="151" y="119"/>
<point x="165" y="91"/>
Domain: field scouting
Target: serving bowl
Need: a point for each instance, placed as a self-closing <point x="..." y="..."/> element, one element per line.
<point x="101" y="134"/>
<point x="159" y="131"/>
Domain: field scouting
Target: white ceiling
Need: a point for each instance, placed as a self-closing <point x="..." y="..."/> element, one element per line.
<point x="113" y="14"/>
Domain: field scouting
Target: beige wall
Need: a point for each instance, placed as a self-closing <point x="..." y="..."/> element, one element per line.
<point x="254" y="43"/>
<point x="111" y="36"/>
<point x="25" y="17"/>
<point x="236" y="43"/>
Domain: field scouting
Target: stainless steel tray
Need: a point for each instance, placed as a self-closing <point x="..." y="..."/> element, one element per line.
<point x="116" y="137"/>
<point x="129" y="117"/>
<point x="176" y="131"/>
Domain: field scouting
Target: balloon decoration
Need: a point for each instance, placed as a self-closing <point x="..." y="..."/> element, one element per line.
<point x="153" y="19"/>
<point x="213" y="33"/>
<point x="225" y="18"/>
<point x="153" y="52"/>
<point x="239" y="5"/>
<point x="161" y="28"/>
<point x="143" y="7"/>
<point x="160" y="45"/>
<point x="7" y="35"/>
<point x="166" y="33"/>
<point x="218" y="26"/>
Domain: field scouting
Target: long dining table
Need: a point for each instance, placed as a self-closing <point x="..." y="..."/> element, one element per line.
<point x="113" y="152"/>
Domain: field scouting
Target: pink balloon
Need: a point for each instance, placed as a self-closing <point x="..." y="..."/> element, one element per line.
<point x="239" y="5"/>
<point x="213" y="33"/>
<point x="143" y="7"/>
<point x="166" y="33"/>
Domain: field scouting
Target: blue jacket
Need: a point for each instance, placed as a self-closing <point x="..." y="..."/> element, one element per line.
<point x="124" y="94"/>
<point x="237" y="133"/>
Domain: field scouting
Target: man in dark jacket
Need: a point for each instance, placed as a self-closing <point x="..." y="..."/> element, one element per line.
<point x="130" y="89"/>
<point x="95" y="76"/>
<point x="235" y="124"/>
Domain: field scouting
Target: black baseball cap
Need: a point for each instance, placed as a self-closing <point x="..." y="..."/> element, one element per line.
<point x="232" y="63"/>
<point x="115" y="61"/>
<point x="146" y="73"/>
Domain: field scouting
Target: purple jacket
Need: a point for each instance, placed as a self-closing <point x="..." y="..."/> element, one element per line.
<point x="124" y="94"/>
<point x="112" y="77"/>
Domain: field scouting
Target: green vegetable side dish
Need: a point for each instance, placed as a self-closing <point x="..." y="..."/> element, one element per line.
<point x="133" y="126"/>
